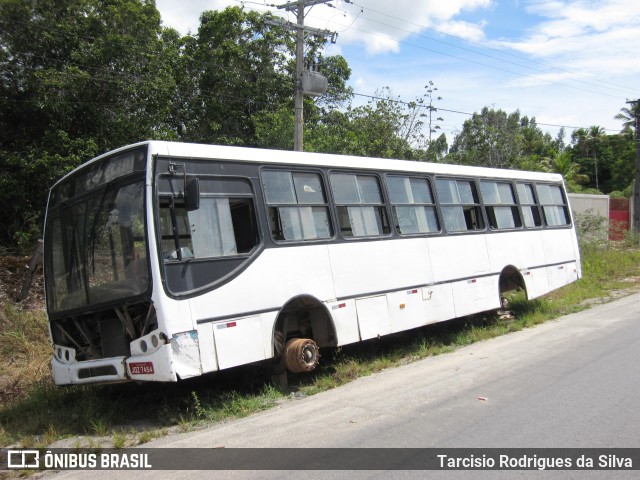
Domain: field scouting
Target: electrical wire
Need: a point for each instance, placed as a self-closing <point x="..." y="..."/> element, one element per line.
<point x="129" y="78"/>
<point x="502" y="52"/>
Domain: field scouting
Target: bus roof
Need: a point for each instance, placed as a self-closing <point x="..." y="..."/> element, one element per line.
<point x="264" y="156"/>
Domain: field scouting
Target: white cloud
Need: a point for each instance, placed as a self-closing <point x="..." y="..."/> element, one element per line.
<point x="588" y="36"/>
<point x="592" y="41"/>
<point x="469" y="31"/>
<point x="381" y="28"/>
<point x="184" y="15"/>
<point x="371" y="23"/>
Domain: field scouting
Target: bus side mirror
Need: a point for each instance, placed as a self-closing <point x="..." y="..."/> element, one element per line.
<point x="192" y="194"/>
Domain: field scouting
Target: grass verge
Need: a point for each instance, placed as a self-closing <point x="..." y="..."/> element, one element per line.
<point x="35" y="413"/>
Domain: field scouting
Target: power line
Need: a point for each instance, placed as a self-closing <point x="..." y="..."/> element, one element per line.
<point x="249" y="101"/>
<point x="550" y="82"/>
<point x="494" y="67"/>
<point x="373" y="97"/>
<point x="502" y="52"/>
<point x="140" y="78"/>
<point x="67" y="34"/>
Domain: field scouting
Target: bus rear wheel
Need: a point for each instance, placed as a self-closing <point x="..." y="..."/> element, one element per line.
<point x="301" y="355"/>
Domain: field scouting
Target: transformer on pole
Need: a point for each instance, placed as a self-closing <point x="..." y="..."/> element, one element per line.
<point x="306" y="82"/>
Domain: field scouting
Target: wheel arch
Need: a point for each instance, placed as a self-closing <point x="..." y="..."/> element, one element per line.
<point x="304" y="316"/>
<point x="510" y="280"/>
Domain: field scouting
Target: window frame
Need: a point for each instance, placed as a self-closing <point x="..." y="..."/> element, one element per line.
<point x="297" y="205"/>
<point x="182" y="239"/>
<point x="514" y="206"/>
<point x="564" y="206"/>
<point x="533" y="206"/>
<point x="380" y="209"/>
<point x="477" y="207"/>
<point x="434" y="205"/>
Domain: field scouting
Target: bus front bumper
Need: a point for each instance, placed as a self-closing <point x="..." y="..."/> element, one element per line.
<point x="157" y="366"/>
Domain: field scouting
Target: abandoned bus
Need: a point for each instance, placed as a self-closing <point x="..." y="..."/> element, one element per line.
<point x="164" y="261"/>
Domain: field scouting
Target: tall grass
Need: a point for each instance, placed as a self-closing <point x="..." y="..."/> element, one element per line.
<point x="25" y="350"/>
<point x="34" y="412"/>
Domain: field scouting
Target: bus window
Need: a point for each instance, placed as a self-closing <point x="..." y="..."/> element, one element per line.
<point x="224" y="225"/>
<point x="361" y="210"/>
<point x="554" y="206"/>
<point x="412" y="205"/>
<point x="500" y="205"/>
<point x="529" y="205"/>
<point x="175" y="233"/>
<point x="460" y="205"/>
<point x="297" y="205"/>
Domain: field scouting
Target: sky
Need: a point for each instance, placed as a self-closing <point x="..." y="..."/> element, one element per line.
<point x="572" y="63"/>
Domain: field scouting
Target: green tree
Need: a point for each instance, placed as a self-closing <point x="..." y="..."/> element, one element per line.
<point x="76" y="77"/>
<point x="596" y="134"/>
<point x="235" y="66"/>
<point x="385" y="127"/>
<point x="437" y="149"/>
<point x="490" y="138"/>
<point x="612" y="155"/>
<point x="623" y="166"/>
<point x="628" y="116"/>
<point x="563" y="164"/>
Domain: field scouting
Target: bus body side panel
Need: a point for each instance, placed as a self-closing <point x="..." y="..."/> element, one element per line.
<point x="373" y="317"/>
<point x="463" y="262"/>
<point x="475" y="295"/>
<point x="407" y="309"/>
<point x="458" y="257"/>
<point x="438" y="303"/>
<point x="208" y="353"/>
<point x="367" y="268"/>
<point x="239" y="341"/>
<point x="276" y="276"/>
<point x="345" y="319"/>
<point x="536" y="281"/>
<point x="242" y="313"/>
<point x="525" y="251"/>
<point x="372" y="271"/>
<point x="560" y="257"/>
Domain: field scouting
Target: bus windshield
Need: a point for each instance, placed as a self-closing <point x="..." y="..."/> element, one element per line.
<point x="97" y="248"/>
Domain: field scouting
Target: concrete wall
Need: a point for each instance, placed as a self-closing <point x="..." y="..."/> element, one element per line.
<point x="583" y="207"/>
<point x="582" y="202"/>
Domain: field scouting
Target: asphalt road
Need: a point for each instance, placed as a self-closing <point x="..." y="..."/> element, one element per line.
<point x="573" y="382"/>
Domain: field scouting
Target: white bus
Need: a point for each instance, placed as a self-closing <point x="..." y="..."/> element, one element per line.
<point x="165" y="261"/>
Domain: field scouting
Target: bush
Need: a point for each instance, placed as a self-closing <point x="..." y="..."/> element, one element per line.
<point x="592" y="228"/>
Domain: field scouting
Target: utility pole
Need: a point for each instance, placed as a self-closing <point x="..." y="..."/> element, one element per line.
<point x="635" y="110"/>
<point x="299" y="6"/>
<point x="298" y="127"/>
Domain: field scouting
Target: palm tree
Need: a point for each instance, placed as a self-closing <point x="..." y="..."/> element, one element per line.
<point x="628" y="116"/>
<point x="579" y="137"/>
<point x="563" y="164"/>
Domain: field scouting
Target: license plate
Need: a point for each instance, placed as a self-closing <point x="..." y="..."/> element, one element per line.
<point x="141" y="368"/>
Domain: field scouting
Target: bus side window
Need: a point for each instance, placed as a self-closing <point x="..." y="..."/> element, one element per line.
<point x="174" y="236"/>
<point x="225" y="224"/>
<point x="500" y="205"/>
<point x="529" y="205"/>
<point x="297" y="204"/>
<point x="412" y="205"/>
<point x="361" y="210"/>
<point x="554" y="206"/>
<point x="460" y="205"/>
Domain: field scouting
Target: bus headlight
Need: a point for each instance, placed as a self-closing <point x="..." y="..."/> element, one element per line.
<point x="147" y="344"/>
<point x="64" y="354"/>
